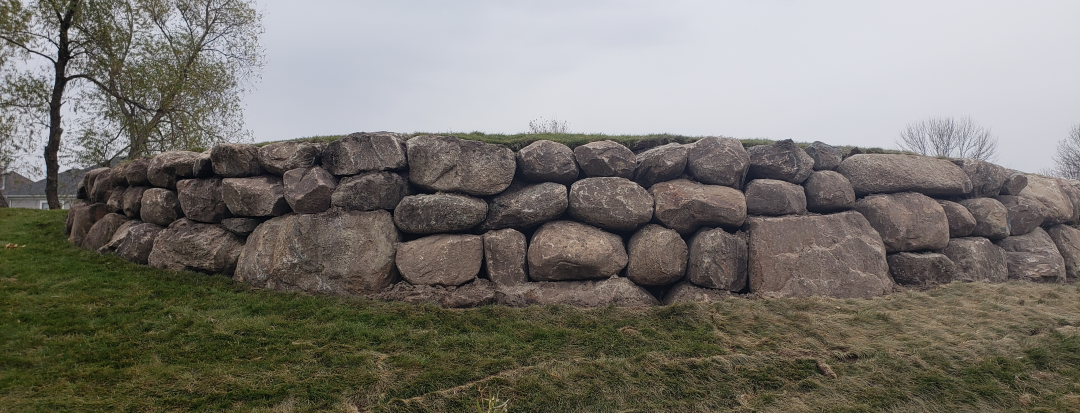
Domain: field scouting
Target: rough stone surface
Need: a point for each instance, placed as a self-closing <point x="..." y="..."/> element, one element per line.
<point x="442" y="259"/>
<point x="1034" y="257"/>
<point x="1050" y="195"/>
<point x="906" y="221"/>
<point x="335" y="252"/>
<point x="991" y="217"/>
<point x="606" y="158"/>
<point x="686" y="292"/>
<point x="136" y="172"/>
<point x="961" y="222"/>
<point x="826" y="157"/>
<point x="568" y="250"/>
<point x="83" y="216"/>
<point x="889" y="173"/>
<point x="370" y="191"/>
<point x="118" y="174"/>
<point x="922" y="269"/>
<point x="429" y="214"/>
<point x="166" y="168"/>
<point x="86" y="184"/>
<point x="774" y="197"/>
<point x="201" y="200"/>
<point x="242" y="226"/>
<point x="133" y="241"/>
<point x="102" y="231"/>
<point x="102" y="185"/>
<point x="986" y="178"/>
<point x="449" y="164"/>
<point x="685" y="206"/>
<point x="279" y="157"/>
<point x="657" y="256"/>
<point x="474" y="294"/>
<point x="718" y="161"/>
<point x="235" y="160"/>
<point x="828" y="191"/>
<point x="718" y="260"/>
<point x="783" y="160"/>
<point x="611" y="203"/>
<point x="838" y="255"/>
<point x="1015" y="183"/>
<point x="308" y="190"/>
<point x="504" y="256"/>
<point x="1067" y="240"/>
<point x="258" y="196"/>
<point x="203" y="166"/>
<point x="618" y="292"/>
<point x="364" y="152"/>
<point x="160" y="206"/>
<point x="977" y="259"/>
<point x="659" y="164"/>
<point x="131" y="203"/>
<point x="547" y="161"/>
<point x="526" y="206"/>
<point x="116" y="199"/>
<point x="187" y="245"/>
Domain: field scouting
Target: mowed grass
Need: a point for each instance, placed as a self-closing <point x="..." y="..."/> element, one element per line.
<point x="84" y="332"/>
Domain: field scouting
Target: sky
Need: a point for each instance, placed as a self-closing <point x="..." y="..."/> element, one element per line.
<point x="842" y="72"/>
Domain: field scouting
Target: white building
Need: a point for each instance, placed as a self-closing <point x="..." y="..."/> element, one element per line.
<point x="21" y="192"/>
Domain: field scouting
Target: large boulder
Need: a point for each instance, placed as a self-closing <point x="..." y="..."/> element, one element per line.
<point x="657" y="256"/>
<point x="473" y="294"/>
<point x="115" y="199"/>
<point x="611" y="203"/>
<point x="187" y="245"/>
<point x="168" y="167"/>
<point x="961" y="222"/>
<point x="906" y="221"/>
<point x="718" y="161"/>
<point x="257" y="196"/>
<point x="370" y="191"/>
<point x="1015" y="183"/>
<point x="774" y="197"/>
<point x="203" y="167"/>
<point x="135" y="174"/>
<point x="235" y="160"/>
<point x="826" y="157"/>
<point x="783" y="160"/>
<point x="1049" y="193"/>
<point x="308" y="190"/>
<point x="547" y="161"/>
<point x="686" y="292"/>
<point x="606" y="158"/>
<point x="441" y="259"/>
<point x="568" y="250"/>
<point x="201" y="200"/>
<point x="685" y="206"/>
<point x="242" y="226"/>
<point x="449" y="164"/>
<point x="85" y="187"/>
<point x="526" y="206"/>
<point x="617" y="292"/>
<point x="102" y="185"/>
<point x="131" y="201"/>
<point x="718" y="260"/>
<point x="1034" y="257"/>
<point x="504" y="256"/>
<point x="279" y="157"/>
<point x="133" y="241"/>
<point x="429" y="214"/>
<point x="160" y="206"/>
<point x="1067" y="240"/>
<point x="83" y="216"/>
<point x="102" y="231"/>
<point x="921" y="269"/>
<point x="828" y="191"/>
<point x="889" y="173"/>
<point x="659" y="164"/>
<point x="336" y="252"/>
<point x="838" y="255"/>
<point x="991" y="217"/>
<point x="364" y="152"/>
<point x="977" y="259"/>
<point x="986" y="178"/>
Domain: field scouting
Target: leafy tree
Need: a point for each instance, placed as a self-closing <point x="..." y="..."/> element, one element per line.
<point x="949" y="137"/>
<point x="1067" y="158"/>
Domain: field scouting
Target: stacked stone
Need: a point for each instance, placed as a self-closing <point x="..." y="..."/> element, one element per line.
<point x="463" y="223"/>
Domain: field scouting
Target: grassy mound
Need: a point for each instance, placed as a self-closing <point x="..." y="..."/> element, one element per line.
<point x="85" y="332"/>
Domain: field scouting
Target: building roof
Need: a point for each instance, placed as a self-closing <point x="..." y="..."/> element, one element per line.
<point x="15" y="184"/>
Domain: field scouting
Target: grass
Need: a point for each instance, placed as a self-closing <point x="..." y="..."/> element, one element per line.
<point x="84" y="332"/>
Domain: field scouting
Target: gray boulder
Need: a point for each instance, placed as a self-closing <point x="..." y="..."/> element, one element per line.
<point x="187" y="245"/>
<point x="718" y="260"/>
<point x="131" y="202"/>
<point x="889" y="173"/>
<point x="1049" y="193"/>
<point x="235" y="160"/>
<point x="828" y="191"/>
<point x="1015" y="183"/>
<point x="102" y="231"/>
<point x="774" y="197"/>
<point x="547" y="161"/>
<point x="83" y="216"/>
<point x="133" y="241"/>
<point x="657" y="256"/>
<point x="921" y="269"/>
<point x="136" y="171"/>
<point x="160" y="206"/>
<point x="257" y="196"/>
<point x="526" y="206"/>
<point x="442" y="259"/>
<point x="242" y="226"/>
<point x="335" y="252"/>
<point x="616" y="292"/>
<point x="429" y="214"/>
<point x="203" y="166"/>
<point x="1034" y="257"/>
<point x="449" y="164"/>
<point x="783" y="160"/>
<point x="685" y="206"/>
<point x="279" y="157"/>
<point x="718" y="161"/>
<point x="611" y="203"/>
<point x="201" y="200"/>
<point x="961" y="222"/>
<point x="977" y="259"/>
<point x="116" y="199"/>
<point x="86" y="185"/>
<point x="504" y="256"/>
<point x="606" y="158"/>
<point x="101" y="185"/>
<point x="1067" y="240"/>
<point x="370" y="191"/>
<point x="659" y="164"/>
<point x="686" y="292"/>
<point x="473" y="294"/>
<point x="986" y="178"/>
<point x="364" y="152"/>
<point x="826" y="157"/>
<point x="568" y="250"/>
<point x="166" y="168"/>
<point x="991" y="217"/>
<point x="1025" y="214"/>
<point x="308" y="190"/>
<point x="838" y="255"/>
<point x="906" y="221"/>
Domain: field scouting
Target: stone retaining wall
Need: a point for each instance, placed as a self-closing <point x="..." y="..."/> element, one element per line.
<point x="463" y="223"/>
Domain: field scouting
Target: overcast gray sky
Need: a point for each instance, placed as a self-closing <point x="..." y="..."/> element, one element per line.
<point x="842" y="72"/>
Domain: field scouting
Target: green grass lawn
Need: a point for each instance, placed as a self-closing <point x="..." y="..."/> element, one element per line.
<point x="84" y="332"/>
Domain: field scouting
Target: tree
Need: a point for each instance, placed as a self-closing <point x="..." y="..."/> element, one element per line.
<point x="142" y="76"/>
<point x="949" y="137"/>
<point x="1067" y="158"/>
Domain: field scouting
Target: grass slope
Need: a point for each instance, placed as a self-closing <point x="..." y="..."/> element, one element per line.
<point x="84" y="332"/>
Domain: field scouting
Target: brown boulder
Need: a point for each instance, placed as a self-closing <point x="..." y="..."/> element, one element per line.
<point x="906" y="221"/>
<point x="235" y="160"/>
<point x="449" y="164"/>
<point x="718" y="260"/>
<point x="611" y="203"/>
<point x="774" y="197"/>
<point x="991" y="217"/>
<point x="1015" y="183"/>
<point x="1067" y="240"/>
<point x="442" y="259"/>
<point x="977" y="259"/>
<point x="617" y="292"/>
<point x="986" y="178"/>
<point x="308" y="190"/>
<point x="102" y="231"/>
<point x="783" y="160"/>
<point x="83" y="216"/>
<point x="160" y="206"/>
<point x="370" y="191"/>
<point x="504" y="256"/>
<point x="526" y="206"/>
<point x="685" y="206"/>
<point x="921" y="269"/>
<point x="135" y="174"/>
<point x="166" y="168"/>
<point x="606" y="158"/>
<point x="686" y="292"/>
<point x="258" y="196"/>
<point x="133" y="241"/>
<point x="1049" y="193"/>
<point x="657" y="256"/>
<point x="201" y="200"/>
<point x="203" y="166"/>
<point x="718" y="161"/>
<point x="187" y="245"/>
<point x="568" y="250"/>
<point x="474" y="294"/>
<point x="365" y="152"/>
<point x="429" y="214"/>
<point x="115" y="199"/>
<point x="828" y="191"/>
<point x="131" y="201"/>
<point x="826" y="157"/>
<point x="659" y="164"/>
<point x="547" y="161"/>
<point x="1034" y="257"/>
<point x="890" y="173"/>
<point x="961" y="222"/>
<point x="242" y="226"/>
<point x="279" y="157"/>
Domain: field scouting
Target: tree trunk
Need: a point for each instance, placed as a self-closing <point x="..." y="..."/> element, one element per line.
<point x="3" y="201"/>
<point x="60" y="80"/>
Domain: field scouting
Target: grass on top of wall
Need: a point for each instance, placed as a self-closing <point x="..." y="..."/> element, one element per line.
<point x="85" y="332"/>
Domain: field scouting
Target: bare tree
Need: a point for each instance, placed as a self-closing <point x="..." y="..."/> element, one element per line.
<point x="949" y="137"/>
<point x="1067" y="158"/>
<point x="548" y="126"/>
